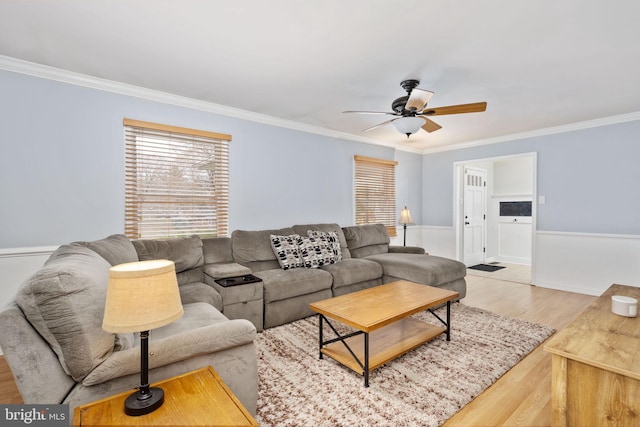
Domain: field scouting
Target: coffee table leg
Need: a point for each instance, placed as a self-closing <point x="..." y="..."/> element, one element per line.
<point x="366" y="359"/>
<point x="320" y="317"/>
<point x="448" y="320"/>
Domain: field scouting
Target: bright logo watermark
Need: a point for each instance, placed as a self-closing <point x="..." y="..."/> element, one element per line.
<point x="35" y="415"/>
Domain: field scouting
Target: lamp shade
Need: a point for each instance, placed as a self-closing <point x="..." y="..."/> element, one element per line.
<point x="408" y="125"/>
<point x="405" y="216"/>
<point x="141" y="296"/>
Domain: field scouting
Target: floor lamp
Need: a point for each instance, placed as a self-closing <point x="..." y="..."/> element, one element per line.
<point x="405" y="218"/>
<point x="142" y="296"/>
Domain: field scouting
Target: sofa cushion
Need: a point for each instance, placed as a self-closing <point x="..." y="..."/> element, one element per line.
<point x="287" y="250"/>
<point x="64" y="301"/>
<point x="352" y="271"/>
<point x="185" y="252"/>
<point x="217" y="250"/>
<point x="426" y="269"/>
<point x="279" y="284"/>
<point x="116" y="249"/>
<point x="304" y="229"/>
<point x="253" y="248"/>
<point x="332" y="238"/>
<point x="364" y="240"/>
<point x="316" y="252"/>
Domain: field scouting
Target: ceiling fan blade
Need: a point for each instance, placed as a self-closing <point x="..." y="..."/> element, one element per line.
<point x="370" y="112"/>
<point x="418" y="99"/>
<point x="430" y="125"/>
<point x="380" y="124"/>
<point x="476" y="107"/>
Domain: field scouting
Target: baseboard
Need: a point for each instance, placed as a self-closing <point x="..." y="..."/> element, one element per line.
<point x="565" y="288"/>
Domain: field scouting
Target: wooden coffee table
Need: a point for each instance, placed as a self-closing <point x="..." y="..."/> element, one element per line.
<point x="384" y="328"/>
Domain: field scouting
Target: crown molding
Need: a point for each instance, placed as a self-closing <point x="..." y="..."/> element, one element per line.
<point x="52" y="73"/>
<point x="629" y="117"/>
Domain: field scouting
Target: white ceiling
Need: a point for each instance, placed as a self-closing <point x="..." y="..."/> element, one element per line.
<point x="538" y="64"/>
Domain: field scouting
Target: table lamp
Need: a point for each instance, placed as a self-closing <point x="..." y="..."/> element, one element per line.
<point x="405" y="218"/>
<point x="141" y="296"/>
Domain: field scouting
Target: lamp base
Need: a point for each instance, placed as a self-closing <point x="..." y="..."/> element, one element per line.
<point x="138" y="404"/>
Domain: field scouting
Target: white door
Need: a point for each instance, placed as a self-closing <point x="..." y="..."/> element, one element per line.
<point x="474" y="215"/>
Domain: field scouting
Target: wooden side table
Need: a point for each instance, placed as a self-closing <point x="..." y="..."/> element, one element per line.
<point x="196" y="398"/>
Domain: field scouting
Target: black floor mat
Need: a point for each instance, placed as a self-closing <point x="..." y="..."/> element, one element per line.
<point x="486" y="267"/>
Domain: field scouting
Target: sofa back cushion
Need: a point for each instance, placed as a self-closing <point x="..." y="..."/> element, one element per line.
<point x="253" y="248"/>
<point x="64" y="301"/>
<point x="364" y="240"/>
<point x="305" y="228"/>
<point x="217" y="249"/>
<point x="116" y="249"/>
<point x="185" y="252"/>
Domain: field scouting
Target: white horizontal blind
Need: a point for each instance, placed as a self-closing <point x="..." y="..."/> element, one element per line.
<point x="176" y="181"/>
<point x="375" y="192"/>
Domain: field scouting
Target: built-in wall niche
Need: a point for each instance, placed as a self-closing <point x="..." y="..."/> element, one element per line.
<point x="519" y="208"/>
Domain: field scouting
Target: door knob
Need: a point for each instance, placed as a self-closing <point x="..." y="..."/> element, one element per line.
<point x="466" y="223"/>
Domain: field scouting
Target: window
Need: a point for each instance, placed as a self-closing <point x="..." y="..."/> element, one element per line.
<point x="375" y="192"/>
<point x="176" y="181"/>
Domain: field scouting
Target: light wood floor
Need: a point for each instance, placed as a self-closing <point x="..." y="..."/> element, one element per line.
<point x="522" y="396"/>
<point x="8" y="390"/>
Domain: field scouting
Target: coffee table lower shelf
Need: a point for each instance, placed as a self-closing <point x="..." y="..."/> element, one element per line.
<point x="385" y="344"/>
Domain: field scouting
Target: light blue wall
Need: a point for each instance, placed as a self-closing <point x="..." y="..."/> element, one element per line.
<point x="62" y="165"/>
<point x="409" y="183"/>
<point x="589" y="178"/>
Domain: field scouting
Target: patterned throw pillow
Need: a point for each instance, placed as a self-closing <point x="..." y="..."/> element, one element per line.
<point x="332" y="238"/>
<point x="287" y="251"/>
<point x="316" y="252"/>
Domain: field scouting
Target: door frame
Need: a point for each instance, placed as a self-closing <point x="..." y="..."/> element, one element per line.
<point x="458" y="202"/>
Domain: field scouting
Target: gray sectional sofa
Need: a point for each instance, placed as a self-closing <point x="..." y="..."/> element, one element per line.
<point x="58" y="353"/>
<point x="53" y="341"/>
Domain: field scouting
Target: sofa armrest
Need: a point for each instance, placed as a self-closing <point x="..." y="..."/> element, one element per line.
<point x="34" y="365"/>
<point x="223" y="270"/>
<point x="406" y="250"/>
<point x="183" y="345"/>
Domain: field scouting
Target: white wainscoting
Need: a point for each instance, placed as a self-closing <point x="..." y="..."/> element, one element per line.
<point x="586" y="263"/>
<point x="514" y="240"/>
<point x="439" y="240"/>
<point x="17" y="265"/>
<point x="435" y="240"/>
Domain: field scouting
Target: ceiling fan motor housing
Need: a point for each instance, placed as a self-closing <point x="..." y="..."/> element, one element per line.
<point x="398" y="105"/>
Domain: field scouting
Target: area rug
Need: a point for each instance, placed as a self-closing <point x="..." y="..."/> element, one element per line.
<point x="486" y="267"/>
<point x="425" y="387"/>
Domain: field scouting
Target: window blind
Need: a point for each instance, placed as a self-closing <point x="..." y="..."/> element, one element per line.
<point x="176" y="181"/>
<point x="375" y="192"/>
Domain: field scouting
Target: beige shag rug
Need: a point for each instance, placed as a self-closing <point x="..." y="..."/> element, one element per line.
<point x="425" y="387"/>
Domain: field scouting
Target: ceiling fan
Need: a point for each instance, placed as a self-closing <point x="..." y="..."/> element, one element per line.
<point x="412" y="112"/>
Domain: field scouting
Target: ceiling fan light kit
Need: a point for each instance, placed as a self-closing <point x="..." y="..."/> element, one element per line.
<point x="408" y="125"/>
<point x="412" y="111"/>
